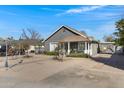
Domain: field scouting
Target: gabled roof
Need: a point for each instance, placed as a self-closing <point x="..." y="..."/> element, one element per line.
<point x="74" y="38"/>
<point x="70" y="29"/>
<point x="75" y="31"/>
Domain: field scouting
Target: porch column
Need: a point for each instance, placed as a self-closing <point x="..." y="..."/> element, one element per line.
<point x="88" y="48"/>
<point x="68" y="48"/>
<point x="91" y="49"/>
<point x="85" y="51"/>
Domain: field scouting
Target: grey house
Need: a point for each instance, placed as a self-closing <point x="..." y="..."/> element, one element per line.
<point x="70" y="40"/>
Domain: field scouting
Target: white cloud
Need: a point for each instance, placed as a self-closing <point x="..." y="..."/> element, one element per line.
<point x="81" y="9"/>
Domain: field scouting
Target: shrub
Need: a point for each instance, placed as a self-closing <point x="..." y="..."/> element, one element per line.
<point x="32" y="51"/>
<point x="27" y="56"/>
<point x="50" y="53"/>
<point x="81" y="55"/>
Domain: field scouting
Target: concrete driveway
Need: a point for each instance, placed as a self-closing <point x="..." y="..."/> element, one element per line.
<point x="44" y="71"/>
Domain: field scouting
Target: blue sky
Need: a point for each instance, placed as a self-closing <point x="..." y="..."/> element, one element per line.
<point x="96" y="20"/>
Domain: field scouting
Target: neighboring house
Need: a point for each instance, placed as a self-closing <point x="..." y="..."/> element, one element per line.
<point x="107" y="47"/>
<point x="70" y="40"/>
<point x="31" y="48"/>
<point x="35" y="49"/>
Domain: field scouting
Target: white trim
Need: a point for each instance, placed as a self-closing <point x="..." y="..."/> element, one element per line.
<point x="88" y="48"/>
<point x="91" y="49"/>
<point x="68" y="48"/>
<point x="51" y="47"/>
<point x="85" y="51"/>
<point x="53" y="33"/>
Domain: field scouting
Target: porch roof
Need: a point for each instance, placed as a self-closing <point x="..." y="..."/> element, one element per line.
<point x="74" y="38"/>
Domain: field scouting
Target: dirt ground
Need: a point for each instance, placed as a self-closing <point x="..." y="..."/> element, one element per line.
<point x="41" y="71"/>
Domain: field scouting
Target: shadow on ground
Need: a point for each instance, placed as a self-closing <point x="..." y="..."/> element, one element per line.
<point x="116" y="60"/>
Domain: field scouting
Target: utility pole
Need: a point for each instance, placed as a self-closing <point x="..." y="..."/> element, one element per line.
<point x="6" y="57"/>
<point x="19" y="50"/>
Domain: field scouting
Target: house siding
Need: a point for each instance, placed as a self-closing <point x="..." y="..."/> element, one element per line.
<point x="62" y="33"/>
<point x="94" y="49"/>
<point x="105" y="47"/>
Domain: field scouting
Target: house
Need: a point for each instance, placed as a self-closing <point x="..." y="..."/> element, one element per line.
<point x="107" y="47"/>
<point x="71" y="40"/>
<point x="110" y="47"/>
<point x="31" y="48"/>
<point x="35" y="49"/>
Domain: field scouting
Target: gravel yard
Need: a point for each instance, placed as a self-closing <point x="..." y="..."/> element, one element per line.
<point x="44" y="71"/>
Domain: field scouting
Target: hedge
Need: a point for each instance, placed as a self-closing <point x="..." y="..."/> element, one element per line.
<point x="50" y="53"/>
<point x="80" y="55"/>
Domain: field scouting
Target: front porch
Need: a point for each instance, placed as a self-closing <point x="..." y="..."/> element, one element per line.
<point x="76" y="47"/>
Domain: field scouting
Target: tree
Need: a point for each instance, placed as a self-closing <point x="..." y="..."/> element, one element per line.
<point x="119" y="35"/>
<point x="10" y="38"/>
<point x="30" y="37"/>
<point x="108" y="38"/>
<point x="83" y="32"/>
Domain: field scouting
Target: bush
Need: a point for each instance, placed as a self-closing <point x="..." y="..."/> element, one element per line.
<point x="50" y="53"/>
<point x="81" y="55"/>
<point x="32" y="51"/>
<point x="27" y="56"/>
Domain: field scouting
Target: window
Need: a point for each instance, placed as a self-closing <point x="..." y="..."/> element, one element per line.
<point x="81" y="46"/>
